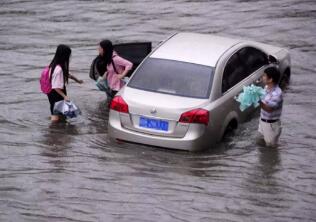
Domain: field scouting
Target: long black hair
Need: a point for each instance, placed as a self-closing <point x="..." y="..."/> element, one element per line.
<point x="61" y="58"/>
<point x="107" y="57"/>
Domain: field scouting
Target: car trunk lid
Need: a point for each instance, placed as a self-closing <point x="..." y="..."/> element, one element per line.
<point x="157" y="113"/>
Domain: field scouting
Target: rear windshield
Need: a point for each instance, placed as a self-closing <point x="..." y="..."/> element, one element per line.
<point x="173" y="77"/>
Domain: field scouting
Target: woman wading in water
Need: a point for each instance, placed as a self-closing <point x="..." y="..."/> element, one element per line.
<point x="59" y="75"/>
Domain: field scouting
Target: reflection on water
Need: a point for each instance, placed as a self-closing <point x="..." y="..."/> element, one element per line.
<point x="269" y="160"/>
<point x="74" y="172"/>
<point x="263" y="179"/>
<point x="57" y="139"/>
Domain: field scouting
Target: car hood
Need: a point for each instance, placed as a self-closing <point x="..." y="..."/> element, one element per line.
<point x="163" y="105"/>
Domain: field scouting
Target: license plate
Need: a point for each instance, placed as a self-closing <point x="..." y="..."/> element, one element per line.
<point x="153" y="124"/>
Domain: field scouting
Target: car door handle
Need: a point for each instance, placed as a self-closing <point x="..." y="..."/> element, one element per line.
<point x="258" y="82"/>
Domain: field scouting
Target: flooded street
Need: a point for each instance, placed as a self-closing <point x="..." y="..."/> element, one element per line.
<point x="73" y="172"/>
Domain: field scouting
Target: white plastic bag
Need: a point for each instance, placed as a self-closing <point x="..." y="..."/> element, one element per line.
<point x="66" y="108"/>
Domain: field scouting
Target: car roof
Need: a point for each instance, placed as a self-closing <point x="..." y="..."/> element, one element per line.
<point x="203" y="49"/>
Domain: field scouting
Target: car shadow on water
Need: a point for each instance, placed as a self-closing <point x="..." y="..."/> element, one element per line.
<point x="156" y="160"/>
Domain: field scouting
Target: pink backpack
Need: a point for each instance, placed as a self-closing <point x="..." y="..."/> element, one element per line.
<point x="45" y="81"/>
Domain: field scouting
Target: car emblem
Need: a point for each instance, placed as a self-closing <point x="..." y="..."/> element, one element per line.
<point x="153" y="111"/>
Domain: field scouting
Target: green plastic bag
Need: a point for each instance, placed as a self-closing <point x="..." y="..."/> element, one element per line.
<point x="250" y="96"/>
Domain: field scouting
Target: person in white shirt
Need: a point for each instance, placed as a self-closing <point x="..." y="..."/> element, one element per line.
<point x="59" y="75"/>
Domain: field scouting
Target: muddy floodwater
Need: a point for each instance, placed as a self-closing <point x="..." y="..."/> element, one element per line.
<point x="73" y="172"/>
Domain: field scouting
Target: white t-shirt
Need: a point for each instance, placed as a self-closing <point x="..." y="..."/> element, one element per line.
<point x="58" y="78"/>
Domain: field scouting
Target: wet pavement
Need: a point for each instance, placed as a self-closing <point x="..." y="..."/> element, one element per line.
<point x="73" y="172"/>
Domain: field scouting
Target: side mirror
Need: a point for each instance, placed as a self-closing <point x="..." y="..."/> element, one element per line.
<point x="272" y="59"/>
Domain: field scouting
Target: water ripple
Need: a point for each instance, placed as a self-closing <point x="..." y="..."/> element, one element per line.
<point x="74" y="172"/>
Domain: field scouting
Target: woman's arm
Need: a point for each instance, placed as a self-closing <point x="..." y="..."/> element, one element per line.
<point x="58" y="82"/>
<point x="105" y="75"/>
<point x="60" y="92"/>
<point x="123" y="74"/>
<point x="125" y="63"/>
<point x="75" y="78"/>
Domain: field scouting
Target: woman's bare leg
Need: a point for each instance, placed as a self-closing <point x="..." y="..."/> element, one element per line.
<point x="54" y="118"/>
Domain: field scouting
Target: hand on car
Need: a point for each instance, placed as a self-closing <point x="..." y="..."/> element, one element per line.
<point x="120" y="76"/>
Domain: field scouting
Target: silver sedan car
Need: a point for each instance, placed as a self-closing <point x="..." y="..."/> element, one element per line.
<point x="182" y="95"/>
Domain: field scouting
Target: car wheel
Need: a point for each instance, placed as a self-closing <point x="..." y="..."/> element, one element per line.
<point x="285" y="80"/>
<point x="229" y="131"/>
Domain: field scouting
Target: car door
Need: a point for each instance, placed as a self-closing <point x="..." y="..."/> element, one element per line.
<point x="243" y="68"/>
<point x="234" y="73"/>
<point x="134" y="52"/>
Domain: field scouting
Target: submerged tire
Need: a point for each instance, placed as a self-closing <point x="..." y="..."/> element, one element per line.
<point x="230" y="128"/>
<point x="285" y="80"/>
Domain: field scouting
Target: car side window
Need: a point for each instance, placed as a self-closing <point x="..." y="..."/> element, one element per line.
<point x="233" y="73"/>
<point x="253" y="59"/>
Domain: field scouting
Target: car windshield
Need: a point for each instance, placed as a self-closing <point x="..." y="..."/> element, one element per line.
<point x="173" y="77"/>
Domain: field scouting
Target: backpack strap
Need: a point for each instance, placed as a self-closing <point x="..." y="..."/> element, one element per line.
<point x="113" y="64"/>
<point x="50" y="74"/>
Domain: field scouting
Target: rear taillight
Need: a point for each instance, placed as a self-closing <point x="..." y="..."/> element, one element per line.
<point x="195" y="116"/>
<point x="119" y="104"/>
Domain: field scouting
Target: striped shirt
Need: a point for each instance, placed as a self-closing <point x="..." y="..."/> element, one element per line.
<point x="273" y="98"/>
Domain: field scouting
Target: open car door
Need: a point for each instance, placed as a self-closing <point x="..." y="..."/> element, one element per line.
<point x="134" y="52"/>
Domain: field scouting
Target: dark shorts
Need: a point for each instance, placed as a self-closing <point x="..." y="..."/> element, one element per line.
<point x="54" y="97"/>
<point x="113" y="93"/>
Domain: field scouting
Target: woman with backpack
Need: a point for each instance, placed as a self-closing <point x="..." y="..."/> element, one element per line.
<point x="59" y="75"/>
<point x="111" y="67"/>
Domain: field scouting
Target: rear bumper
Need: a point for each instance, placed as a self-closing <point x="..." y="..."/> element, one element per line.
<point x="192" y="141"/>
